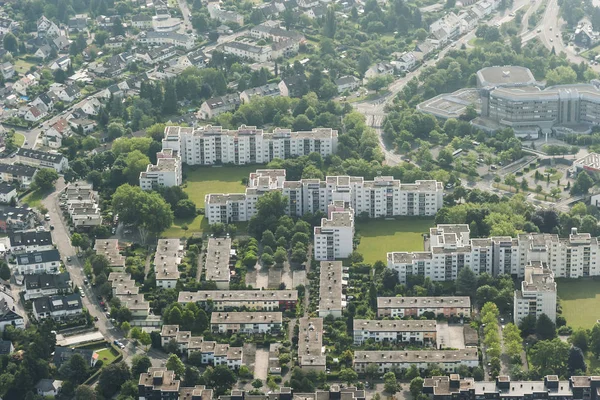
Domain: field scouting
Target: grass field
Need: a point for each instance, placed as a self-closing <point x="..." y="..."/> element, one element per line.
<point x="22" y="66"/>
<point x="201" y="181"/>
<point x="107" y="355"/>
<point x="19" y="139"/>
<point x="34" y="199"/>
<point x="580" y="301"/>
<point x="380" y="236"/>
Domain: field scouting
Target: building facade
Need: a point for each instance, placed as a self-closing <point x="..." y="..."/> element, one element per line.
<point x="391" y="360"/>
<point x="257" y="322"/>
<point x="410" y="332"/>
<point x="335" y="237"/>
<point x="228" y="300"/>
<point x="400" y="307"/>
<point x="537" y="295"/>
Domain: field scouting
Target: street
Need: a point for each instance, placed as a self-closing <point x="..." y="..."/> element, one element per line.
<point x="62" y="239"/>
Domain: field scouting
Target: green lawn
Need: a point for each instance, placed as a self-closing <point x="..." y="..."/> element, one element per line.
<point x="201" y="181"/>
<point x="378" y="237"/>
<point x="22" y="66"/>
<point x="107" y="355"/>
<point x="19" y="139"/>
<point x="34" y="199"/>
<point x="580" y="301"/>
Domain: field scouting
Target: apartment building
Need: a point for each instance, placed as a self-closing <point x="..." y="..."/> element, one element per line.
<point x="400" y="307"/>
<point x="335" y="237"/>
<point x="256" y="322"/>
<point x="382" y="197"/>
<point x="551" y="387"/>
<point x="154" y="38"/>
<point x="30" y="241"/>
<point x="42" y="159"/>
<point x="215" y="11"/>
<point x="335" y="392"/>
<point x="311" y="354"/>
<point x="422" y="332"/>
<point x="166" y="172"/>
<point x="40" y="262"/>
<point x="57" y="307"/>
<point x="216" y="262"/>
<point x="17" y="173"/>
<point x="537" y="295"/>
<point x="109" y="248"/>
<point x="268" y="90"/>
<point x="228" y="300"/>
<point x="125" y="289"/>
<point x="82" y="204"/>
<point x="209" y="145"/>
<point x="46" y="285"/>
<point x="451" y="249"/>
<point x="447" y="360"/>
<point x="332" y="281"/>
<point x="169" y="253"/>
<point x="212" y="353"/>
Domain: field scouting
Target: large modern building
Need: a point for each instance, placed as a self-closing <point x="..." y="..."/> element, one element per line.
<point x="395" y="331"/>
<point x="512" y="98"/>
<point x="391" y="360"/>
<point x="537" y="295"/>
<point x="335" y="237"/>
<point x="166" y="172"/>
<point x="451" y="249"/>
<point x="209" y="145"/>
<point x="226" y="300"/>
<point x="382" y="197"/>
<point x="400" y="307"/>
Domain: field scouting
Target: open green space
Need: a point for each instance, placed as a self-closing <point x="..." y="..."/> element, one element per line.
<point x="22" y="66"/>
<point x="107" y="355"/>
<point x="580" y="301"/>
<point x="34" y="199"/>
<point x="201" y="181"/>
<point x="379" y="237"/>
<point x="19" y="139"/>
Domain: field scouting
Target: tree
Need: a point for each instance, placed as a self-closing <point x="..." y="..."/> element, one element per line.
<point x="582" y="184"/>
<point x="84" y="392"/>
<point x="527" y="325"/>
<point x="390" y="384"/>
<point x="545" y="328"/>
<point x="466" y="282"/>
<point x="511" y="180"/>
<point x="550" y="357"/>
<point x="257" y="383"/>
<point x="378" y="82"/>
<point x="416" y="386"/>
<point x="595" y="340"/>
<point x="579" y="338"/>
<point x="220" y="378"/>
<point x="576" y="363"/>
<point x="485" y="294"/>
<point x="4" y="271"/>
<point x="45" y="179"/>
<point x="412" y="372"/>
<point x="330" y="24"/>
<point x="140" y="364"/>
<point x="280" y="256"/>
<point x="267" y="259"/>
<point x="75" y="369"/>
<point x="561" y="75"/>
<point x="185" y="209"/>
<point x="268" y="239"/>
<point x="112" y="378"/>
<point x="80" y="240"/>
<point x="176" y="365"/>
<point x="10" y="43"/>
<point x="348" y="375"/>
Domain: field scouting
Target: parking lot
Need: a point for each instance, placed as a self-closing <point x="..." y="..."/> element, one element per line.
<point x="451" y="336"/>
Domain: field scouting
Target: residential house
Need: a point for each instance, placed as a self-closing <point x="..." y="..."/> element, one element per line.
<point x="316" y="12"/>
<point x="141" y="21"/>
<point x="405" y="63"/>
<point x="347" y="82"/>
<point x="91" y="107"/>
<point x="43" y="285"/>
<point x="115" y="42"/>
<point x="16" y="173"/>
<point x="25" y="83"/>
<point x="297" y="85"/>
<point x="34" y="114"/>
<point x="468" y="21"/>
<point x="268" y="90"/>
<point x="7" y="25"/>
<point x="306" y="4"/>
<point x="39" y="262"/>
<point x="274" y="33"/>
<point x="446" y="28"/>
<point x="57" y="308"/>
<point x="7" y="315"/>
<point x="43" y="159"/>
<point x="106" y="22"/>
<point x="6" y="347"/>
<point x="154" y="38"/>
<point x="16" y="218"/>
<point x="48" y="387"/>
<point x="7" y="192"/>
<point x="196" y="58"/>
<point x="63" y="63"/>
<point x="62" y="354"/>
<point x="217" y="13"/>
<point x="83" y="124"/>
<point x="251" y="322"/>
<point x="248" y="51"/>
<point x="218" y="105"/>
<point x="56" y="133"/>
<point x="7" y="70"/>
<point x="78" y="23"/>
<point x="61" y="43"/>
<point x="66" y="94"/>
<point x="47" y="28"/>
<point x="30" y="241"/>
<point x="43" y="52"/>
<point x="585" y="36"/>
<point x="158" y="54"/>
<point x="382" y="68"/>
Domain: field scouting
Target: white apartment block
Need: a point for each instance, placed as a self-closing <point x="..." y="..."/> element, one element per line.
<point x="166" y="173"/>
<point x="311" y="353"/>
<point x="381" y="197"/>
<point x="395" y="331"/>
<point x="451" y="249"/>
<point x="332" y="280"/>
<point x="216" y="262"/>
<point x="210" y="145"/>
<point x="225" y="300"/>
<point x="400" y="307"/>
<point x="447" y="360"/>
<point x="257" y="322"/>
<point x="169" y="253"/>
<point x="537" y="295"/>
<point x="334" y="238"/>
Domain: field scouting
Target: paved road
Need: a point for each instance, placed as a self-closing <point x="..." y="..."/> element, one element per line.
<point x="185" y="12"/>
<point x="61" y="238"/>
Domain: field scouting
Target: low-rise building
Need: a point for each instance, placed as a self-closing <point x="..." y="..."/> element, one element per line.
<point x="7" y="192"/>
<point x="110" y="249"/>
<point x="40" y="262"/>
<point x="141" y="21"/>
<point x="218" y="105"/>
<point x="160" y="383"/>
<point x="167" y="171"/>
<point x="226" y="300"/>
<point x="63" y="354"/>
<point x="332" y="300"/>
<point x="217" y="13"/>
<point x="8" y="316"/>
<point x="400" y="307"/>
<point x="169" y="253"/>
<point x="347" y="82"/>
<point x="125" y="289"/>
<point x="382" y="68"/>
<point x="44" y="285"/>
<point x="335" y="237"/>
<point x="30" y="241"/>
<point x="392" y="360"/>
<point x="268" y="90"/>
<point x="82" y="204"/>
<point x="57" y="307"/>
<point x="216" y="263"/>
<point x="43" y="159"/>
<point x="257" y="322"/>
<point x="311" y="354"/>
<point x="17" y="173"/>
<point x="16" y="219"/>
<point x="154" y="38"/>
<point x="537" y="295"/>
<point x="396" y="331"/>
<point x="48" y="387"/>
